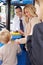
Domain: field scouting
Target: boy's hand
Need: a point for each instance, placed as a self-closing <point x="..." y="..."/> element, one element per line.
<point x="17" y="41"/>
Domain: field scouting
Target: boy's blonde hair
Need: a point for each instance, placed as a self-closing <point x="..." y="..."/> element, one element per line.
<point x="5" y="36"/>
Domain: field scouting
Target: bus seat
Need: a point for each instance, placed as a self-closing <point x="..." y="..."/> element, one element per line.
<point x="1" y="62"/>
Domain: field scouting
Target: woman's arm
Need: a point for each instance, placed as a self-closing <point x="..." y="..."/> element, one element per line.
<point x="27" y="33"/>
<point x="21" y="32"/>
<point x="21" y="41"/>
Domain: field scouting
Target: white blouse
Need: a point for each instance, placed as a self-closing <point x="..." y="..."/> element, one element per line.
<point x="28" y="29"/>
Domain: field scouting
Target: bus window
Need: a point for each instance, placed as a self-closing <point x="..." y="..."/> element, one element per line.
<point x="21" y="2"/>
<point x="15" y="3"/>
<point x="2" y="14"/>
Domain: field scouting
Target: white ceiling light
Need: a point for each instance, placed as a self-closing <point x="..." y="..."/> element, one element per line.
<point x="1" y="3"/>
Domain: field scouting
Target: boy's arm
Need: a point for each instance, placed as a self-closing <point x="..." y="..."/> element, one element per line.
<point x="16" y="45"/>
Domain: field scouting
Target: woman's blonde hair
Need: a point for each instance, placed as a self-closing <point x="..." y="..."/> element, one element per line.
<point x="5" y="35"/>
<point x="37" y="1"/>
<point x="31" y="9"/>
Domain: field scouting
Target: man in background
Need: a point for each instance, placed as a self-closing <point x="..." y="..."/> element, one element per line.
<point x="17" y="21"/>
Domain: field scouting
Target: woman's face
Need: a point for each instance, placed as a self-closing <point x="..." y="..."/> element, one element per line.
<point x="27" y="13"/>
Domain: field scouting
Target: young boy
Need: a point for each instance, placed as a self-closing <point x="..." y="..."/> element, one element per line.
<point x="8" y="50"/>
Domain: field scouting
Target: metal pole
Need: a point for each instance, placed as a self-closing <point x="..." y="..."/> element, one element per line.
<point x="8" y="15"/>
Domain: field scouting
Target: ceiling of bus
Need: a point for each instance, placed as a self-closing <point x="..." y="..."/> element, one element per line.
<point x="19" y="1"/>
<point x="2" y="0"/>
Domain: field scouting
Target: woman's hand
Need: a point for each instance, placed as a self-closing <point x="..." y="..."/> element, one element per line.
<point x="21" y="32"/>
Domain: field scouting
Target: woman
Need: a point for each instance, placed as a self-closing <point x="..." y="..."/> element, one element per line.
<point x="37" y="39"/>
<point x="30" y="19"/>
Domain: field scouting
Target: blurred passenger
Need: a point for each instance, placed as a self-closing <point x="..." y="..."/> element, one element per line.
<point x="37" y="6"/>
<point x="37" y="40"/>
<point x="9" y="49"/>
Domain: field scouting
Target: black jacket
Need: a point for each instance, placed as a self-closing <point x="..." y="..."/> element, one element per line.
<point x="37" y="45"/>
